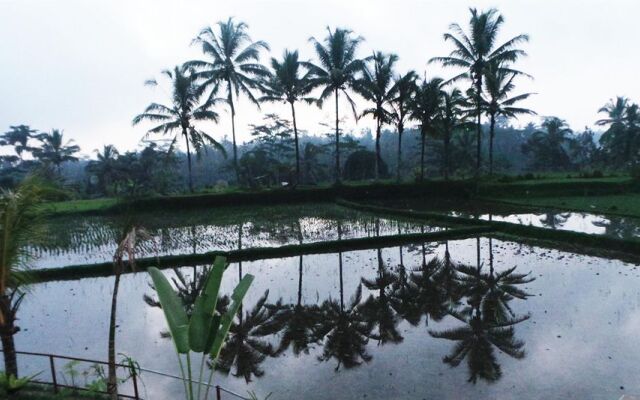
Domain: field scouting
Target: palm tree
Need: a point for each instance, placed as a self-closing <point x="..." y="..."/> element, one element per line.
<point x="285" y="84"/>
<point x="453" y="116"/>
<point x="234" y="63"/>
<point x="475" y="51"/>
<point x="425" y="108"/>
<point x="500" y="103"/>
<point x="548" y="146"/>
<point x="54" y="151"/>
<point x="376" y="86"/>
<point x="185" y="110"/>
<point x="20" y="226"/>
<point x="18" y="137"/>
<point x="618" y="138"/>
<point x="337" y="72"/>
<point x="404" y="87"/>
<point x="104" y="166"/>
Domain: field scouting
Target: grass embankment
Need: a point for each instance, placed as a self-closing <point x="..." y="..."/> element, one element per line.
<point x="626" y="205"/>
<point x="35" y="391"/>
<point x="584" y="243"/>
<point x="354" y="191"/>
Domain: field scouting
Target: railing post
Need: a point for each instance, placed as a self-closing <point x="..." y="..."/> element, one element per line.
<point x="53" y="374"/>
<point x="135" y="383"/>
<point x="218" y="393"/>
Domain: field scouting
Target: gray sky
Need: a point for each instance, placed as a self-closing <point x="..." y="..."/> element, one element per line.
<point x="79" y="65"/>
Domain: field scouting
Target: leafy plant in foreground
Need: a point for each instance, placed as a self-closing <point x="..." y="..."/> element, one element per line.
<point x="205" y="330"/>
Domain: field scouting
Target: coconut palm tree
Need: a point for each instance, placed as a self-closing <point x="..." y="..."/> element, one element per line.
<point x="453" y="116"/>
<point x="105" y="166"/>
<point x="549" y="146"/>
<point x="477" y="49"/>
<point x="403" y="89"/>
<point x="18" y="137"/>
<point x="287" y="84"/>
<point x="20" y="226"/>
<point x="234" y="63"/>
<point x="186" y="109"/>
<point x="337" y="72"/>
<point x="54" y="151"/>
<point x="425" y="108"/>
<point x="618" y="139"/>
<point x="376" y="86"/>
<point x="499" y="102"/>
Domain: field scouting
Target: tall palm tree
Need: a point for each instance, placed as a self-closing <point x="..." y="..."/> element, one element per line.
<point x="549" y="146"/>
<point x="453" y="116"/>
<point x="18" y="137"/>
<point x="617" y="139"/>
<point x="235" y="64"/>
<point x="474" y="51"/>
<point x="186" y="109"/>
<point x="425" y="108"/>
<point x="20" y="226"/>
<point x="403" y="89"/>
<point x="500" y="103"/>
<point x="54" y="151"/>
<point x="337" y="72"/>
<point x="286" y="84"/>
<point x="376" y="86"/>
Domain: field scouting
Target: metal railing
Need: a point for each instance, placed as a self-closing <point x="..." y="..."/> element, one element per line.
<point x="133" y="373"/>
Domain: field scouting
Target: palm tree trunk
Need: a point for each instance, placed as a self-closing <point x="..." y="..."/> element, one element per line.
<point x="233" y="134"/>
<point x="447" y="138"/>
<point x="478" y="127"/>
<point x="378" y="159"/>
<point x="337" y="141"/>
<point x="422" y="140"/>
<point x="186" y="139"/>
<point x="112" y="384"/>
<point x="7" y="330"/>
<point x="295" y="136"/>
<point x="340" y="268"/>
<point x="400" y="131"/>
<point x="491" y="133"/>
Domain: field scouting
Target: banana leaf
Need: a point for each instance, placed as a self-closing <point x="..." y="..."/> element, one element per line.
<point x="225" y="322"/>
<point x="201" y="324"/>
<point x="173" y="309"/>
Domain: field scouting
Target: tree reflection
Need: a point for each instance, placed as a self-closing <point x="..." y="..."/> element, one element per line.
<point x="554" y="220"/>
<point x="488" y="319"/>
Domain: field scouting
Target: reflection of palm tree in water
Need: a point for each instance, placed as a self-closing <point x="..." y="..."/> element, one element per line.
<point x="345" y="330"/>
<point x="619" y="227"/>
<point x="379" y="310"/>
<point x="554" y="220"/>
<point x="489" y="321"/>
<point x="297" y="321"/>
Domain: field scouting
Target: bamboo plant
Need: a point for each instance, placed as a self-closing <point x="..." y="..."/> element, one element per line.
<point x="205" y="331"/>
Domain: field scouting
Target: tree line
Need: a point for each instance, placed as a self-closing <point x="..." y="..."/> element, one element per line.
<point x="468" y="107"/>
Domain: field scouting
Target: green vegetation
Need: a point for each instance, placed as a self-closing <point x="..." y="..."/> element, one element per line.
<point x="623" y="205"/>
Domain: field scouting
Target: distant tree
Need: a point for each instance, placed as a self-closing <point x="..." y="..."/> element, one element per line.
<point x="475" y="51"/>
<point x="453" y="116"/>
<point x="620" y="140"/>
<point x="376" y="86"/>
<point x="235" y="64"/>
<point x="185" y="110"/>
<point x="54" y="151"/>
<point x="360" y="166"/>
<point x="425" y="108"/>
<point x="583" y="149"/>
<point x="286" y="84"/>
<point x="500" y="103"/>
<point x="104" y="167"/>
<point x="337" y="72"/>
<point x="549" y="147"/>
<point x="403" y="90"/>
<point x="18" y="137"/>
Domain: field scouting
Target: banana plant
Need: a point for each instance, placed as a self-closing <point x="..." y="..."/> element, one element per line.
<point x="205" y="331"/>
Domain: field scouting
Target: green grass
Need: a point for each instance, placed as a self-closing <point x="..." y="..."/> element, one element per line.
<point x="79" y="206"/>
<point x="624" y="205"/>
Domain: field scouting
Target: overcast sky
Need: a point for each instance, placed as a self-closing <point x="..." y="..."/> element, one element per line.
<point x="80" y="65"/>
